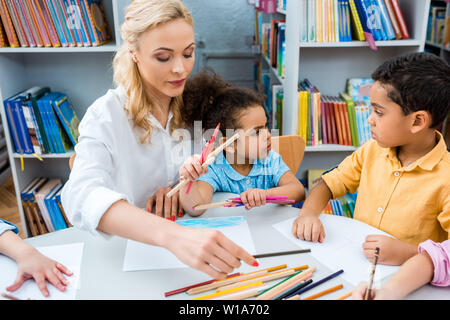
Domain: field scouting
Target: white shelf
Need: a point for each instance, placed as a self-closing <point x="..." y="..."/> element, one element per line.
<point x="108" y="47"/>
<point x="273" y="70"/>
<point x="391" y="43"/>
<point x="46" y="155"/>
<point x="329" y="148"/>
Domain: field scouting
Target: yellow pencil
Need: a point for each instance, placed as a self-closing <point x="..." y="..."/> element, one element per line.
<point x="217" y="284"/>
<point x="224" y="292"/>
<point x="265" y="277"/>
<point x="324" y="292"/>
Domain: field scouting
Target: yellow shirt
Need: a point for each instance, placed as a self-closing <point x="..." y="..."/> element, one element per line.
<point x="411" y="203"/>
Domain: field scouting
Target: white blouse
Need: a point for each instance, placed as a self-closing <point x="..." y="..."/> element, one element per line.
<point x="112" y="164"/>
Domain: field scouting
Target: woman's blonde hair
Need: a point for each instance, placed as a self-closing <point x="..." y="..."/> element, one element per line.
<point x="140" y="16"/>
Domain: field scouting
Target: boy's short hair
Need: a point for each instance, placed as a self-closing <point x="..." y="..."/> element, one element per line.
<point x="417" y="81"/>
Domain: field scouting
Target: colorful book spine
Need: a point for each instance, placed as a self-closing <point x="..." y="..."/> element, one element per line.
<point x="385" y="20"/>
<point x="357" y="27"/>
<point x="12" y="127"/>
<point x="86" y="22"/>
<point x="38" y="24"/>
<point x="26" y="12"/>
<point x="8" y="25"/>
<point x="81" y="26"/>
<point x="400" y="19"/>
<point x="56" y="23"/>
<point x="97" y="18"/>
<point x="24" y="23"/>
<point x="16" y="24"/>
<point x="44" y="13"/>
<point x="64" y="20"/>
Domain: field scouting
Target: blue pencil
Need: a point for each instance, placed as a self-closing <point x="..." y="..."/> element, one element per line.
<point x="315" y="284"/>
<point x="296" y="288"/>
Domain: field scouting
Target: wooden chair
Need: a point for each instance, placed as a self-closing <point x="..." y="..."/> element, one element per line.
<point x="291" y="149"/>
<point x="71" y="160"/>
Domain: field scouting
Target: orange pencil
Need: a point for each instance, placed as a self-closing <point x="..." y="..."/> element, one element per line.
<point x="317" y="295"/>
<point x="345" y="296"/>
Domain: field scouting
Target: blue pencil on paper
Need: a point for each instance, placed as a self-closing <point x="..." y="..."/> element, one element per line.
<point x="315" y="284"/>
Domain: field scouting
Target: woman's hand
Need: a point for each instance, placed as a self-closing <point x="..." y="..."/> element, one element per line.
<point x="164" y="206"/>
<point x="209" y="251"/>
<point x="252" y="198"/>
<point x="34" y="265"/>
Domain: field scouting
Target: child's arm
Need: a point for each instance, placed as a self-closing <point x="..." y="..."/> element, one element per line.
<point x="308" y="226"/>
<point x="32" y="264"/>
<point x="412" y="275"/>
<point x="200" y="193"/>
<point x="288" y="185"/>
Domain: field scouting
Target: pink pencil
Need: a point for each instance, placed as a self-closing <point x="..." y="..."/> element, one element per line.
<point x="267" y="198"/>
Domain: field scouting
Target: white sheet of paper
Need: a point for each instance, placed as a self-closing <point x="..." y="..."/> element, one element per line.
<point x="69" y="255"/>
<point x="342" y="247"/>
<point x="140" y="256"/>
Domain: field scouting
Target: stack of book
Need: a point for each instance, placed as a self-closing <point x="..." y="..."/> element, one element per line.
<point x="53" y="23"/>
<point x="41" y="201"/>
<point x="273" y="43"/>
<point x="348" y="20"/>
<point x="41" y="121"/>
<point x="339" y="119"/>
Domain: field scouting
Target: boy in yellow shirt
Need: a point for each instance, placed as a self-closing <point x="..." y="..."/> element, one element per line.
<point x="403" y="173"/>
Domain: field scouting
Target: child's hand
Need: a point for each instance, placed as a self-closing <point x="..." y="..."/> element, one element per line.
<point x="392" y="251"/>
<point x="192" y="168"/>
<point x="253" y="198"/>
<point x="359" y="293"/>
<point x="33" y="264"/>
<point x="308" y="227"/>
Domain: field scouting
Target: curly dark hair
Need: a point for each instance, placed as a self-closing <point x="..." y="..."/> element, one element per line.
<point x="417" y="81"/>
<point x="210" y="99"/>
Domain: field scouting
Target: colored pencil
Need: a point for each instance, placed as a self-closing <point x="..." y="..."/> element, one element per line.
<point x="324" y="292"/>
<point x="281" y="253"/>
<point x="331" y="276"/>
<point x="234" y="204"/>
<point x="286" y="284"/>
<point x="241" y="296"/>
<point x="10" y="297"/>
<point x="345" y="296"/>
<point x="217" y="284"/>
<point x="205" y="151"/>
<point x="372" y="273"/>
<point x="169" y="293"/>
<point x="265" y="277"/>
<point x="294" y="288"/>
<point x="224" y="292"/>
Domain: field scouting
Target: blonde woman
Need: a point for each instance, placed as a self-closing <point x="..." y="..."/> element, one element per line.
<point x="124" y="153"/>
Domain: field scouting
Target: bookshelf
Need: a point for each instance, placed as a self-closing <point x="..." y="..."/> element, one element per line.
<point x="328" y="64"/>
<point x="440" y="49"/>
<point x="83" y="73"/>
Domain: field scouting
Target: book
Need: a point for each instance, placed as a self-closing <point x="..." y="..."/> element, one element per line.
<point x="38" y="23"/>
<point x="65" y="21"/>
<point x="97" y="19"/>
<point x="31" y="223"/>
<point x="57" y="22"/>
<point x="359" y="89"/>
<point x="45" y="15"/>
<point x="26" y="4"/>
<point x="26" y="16"/>
<point x="24" y="23"/>
<point x="34" y="207"/>
<point x="80" y="23"/>
<point x="385" y="20"/>
<point x="313" y="177"/>
<point x="369" y="33"/>
<point x="400" y="19"/>
<point x="16" y="23"/>
<point x="34" y="109"/>
<point x="67" y="117"/>
<point x="393" y="19"/>
<point x="3" y="38"/>
<point x="8" y="25"/>
<point x="352" y="119"/>
<point x="40" y="196"/>
<point x="358" y="32"/>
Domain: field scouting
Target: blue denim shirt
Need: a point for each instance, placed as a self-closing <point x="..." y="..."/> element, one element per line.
<point x="5" y="226"/>
<point x="265" y="174"/>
